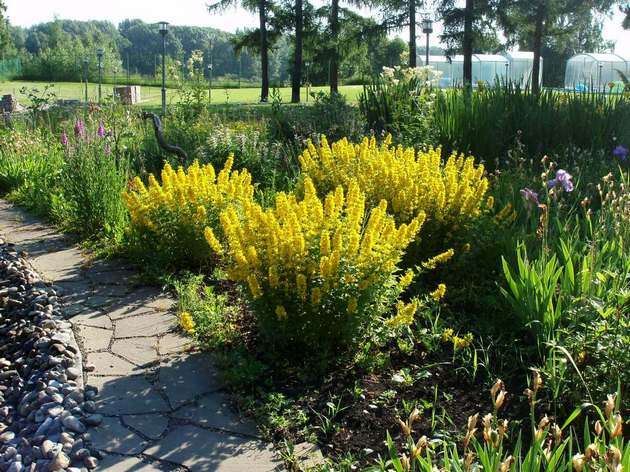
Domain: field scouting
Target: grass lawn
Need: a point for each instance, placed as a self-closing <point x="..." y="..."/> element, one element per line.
<point x="151" y="95"/>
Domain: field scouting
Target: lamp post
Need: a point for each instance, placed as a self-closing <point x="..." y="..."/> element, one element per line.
<point x="507" y="73"/>
<point x="99" y="55"/>
<point x="599" y="78"/>
<point x="163" y="28"/>
<point x="308" y="84"/>
<point x="85" y="79"/>
<point x="427" y="28"/>
<point x="210" y="83"/>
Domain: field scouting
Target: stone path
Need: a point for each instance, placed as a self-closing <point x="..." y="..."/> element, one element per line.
<point x="162" y="401"/>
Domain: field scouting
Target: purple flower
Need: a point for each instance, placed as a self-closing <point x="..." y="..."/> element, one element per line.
<point x="563" y="179"/>
<point x="621" y="152"/>
<point x="101" y="130"/>
<point x="530" y="198"/>
<point x="79" y="129"/>
<point x="64" y="138"/>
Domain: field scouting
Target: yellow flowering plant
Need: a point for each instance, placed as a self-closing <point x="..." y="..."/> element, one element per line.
<point x="451" y="191"/>
<point x="168" y="218"/>
<point x="319" y="273"/>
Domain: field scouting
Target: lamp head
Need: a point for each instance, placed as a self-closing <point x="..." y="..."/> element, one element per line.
<point x="427" y="25"/>
<point x="100" y="53"/>
<point x="163" y="28"/>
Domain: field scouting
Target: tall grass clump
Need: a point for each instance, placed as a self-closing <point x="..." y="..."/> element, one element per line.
<point x="489" y="122"/>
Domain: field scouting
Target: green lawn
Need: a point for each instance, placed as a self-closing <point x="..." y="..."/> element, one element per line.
<point x="151" y="95"/>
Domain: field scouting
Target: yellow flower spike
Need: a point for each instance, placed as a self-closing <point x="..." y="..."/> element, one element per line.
<point x="281" y="313"/>
<point x="438" y="293"/>
<point x="212" y="241"/>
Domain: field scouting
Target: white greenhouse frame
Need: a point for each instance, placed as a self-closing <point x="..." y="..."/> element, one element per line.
<point x="594" y="71"/>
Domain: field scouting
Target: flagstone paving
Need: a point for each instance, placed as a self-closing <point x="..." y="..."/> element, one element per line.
<point x="163" y="403"/>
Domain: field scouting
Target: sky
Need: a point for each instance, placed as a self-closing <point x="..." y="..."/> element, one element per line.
<point x="189" y="12"/>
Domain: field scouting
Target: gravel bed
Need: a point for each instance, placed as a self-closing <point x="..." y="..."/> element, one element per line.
<point x="45" y="411"/>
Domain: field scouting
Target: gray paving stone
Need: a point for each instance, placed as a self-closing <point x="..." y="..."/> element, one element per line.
<point x="186" y="377"/>
<point x="127" y="396"/>
<point x="99" y="301"/>
<point x="109" y="364"/>
<point x="152" y="324"/>
<point x="112" y="463"/>
<point x="62" y="265"/>
<point x="112" y="436"/>
<point x="93" y="318"/>
<point x="209" y="451"/>
<point x="174" y="343"/>
<point x="119" y="310"/>
<point x="162" y="304"/>
<point x="152" y="426"/>
<point x="214" y="411"/>
<point x="140" y="351"/>
<point x="94" y="339"/>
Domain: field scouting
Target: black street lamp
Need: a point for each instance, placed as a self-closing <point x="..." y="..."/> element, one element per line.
<point x="210" y="83"/>
<point x="427" y="28"/>
<point x="85" y="78"/>
<point x="99" y="55"/>
<point x="163" y="28"/>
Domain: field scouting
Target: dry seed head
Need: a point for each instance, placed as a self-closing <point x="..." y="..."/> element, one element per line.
<point x="609" y="406"/>
<point x="530" y="396"/>
<point x="557" y="434"/>
<point x="468" y="460"/>
<point x="537" y="381"/>
<point x="414" y="416"/>
<point x="506" y="464"/>
<point x="404" y="427"/>
<point x="617" y="428"/>
<point x="404" y="461"/>
<point x="591" y="453"/>
<point x="598" y="428"/>
<point x="500" y="400"/>
<point x="472" y="422"/>
<point x="613" y="457"/>
<point x="578" y="462"/>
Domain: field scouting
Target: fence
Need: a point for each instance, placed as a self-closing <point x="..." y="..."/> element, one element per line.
<point x="10" y="69"/>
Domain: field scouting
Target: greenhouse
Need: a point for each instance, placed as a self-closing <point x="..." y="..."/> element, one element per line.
<point x="595" y="71"/>
<point x="486" y="68"/>
<point x="521" y="67"/>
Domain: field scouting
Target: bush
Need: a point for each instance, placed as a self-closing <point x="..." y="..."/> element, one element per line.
<point x="267" y="162"/>
<point x="92" y="180"/>
<point x="450" y="193"/>
<point x="168" y="219"/>
<point x="400" y="102"/>
<point x="320" y="274"/>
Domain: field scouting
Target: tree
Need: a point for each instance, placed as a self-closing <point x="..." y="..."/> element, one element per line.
<point x="534" y="23"/>
<point x="262" y="7"/>
<point x="626" y="20"/>
<point x="6" y="39"/>
<point x="468" y="29"/>
<point x="397" y="14"/>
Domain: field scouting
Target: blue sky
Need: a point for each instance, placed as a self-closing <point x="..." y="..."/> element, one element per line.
<point x="185" y="12"/>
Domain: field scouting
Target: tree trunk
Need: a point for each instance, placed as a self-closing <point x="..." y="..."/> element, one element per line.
<point x="297" y="56"/>
<point x="412" y="34"/>
<point x="334" y="60"/>
<point x="468" y="43"/>
<point x="264" y="51"/>
<point x="538" y="36"/>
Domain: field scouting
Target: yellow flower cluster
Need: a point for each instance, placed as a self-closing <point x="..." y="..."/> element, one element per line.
<point x="438" y="293"/>
<point x="458" y="342"/>
<point x="310" y="259"/>
<point x="409" y="181"/>
<point x="176" y="211"/>
<point x="196" y="189"/>
<point x="186" y="322"/>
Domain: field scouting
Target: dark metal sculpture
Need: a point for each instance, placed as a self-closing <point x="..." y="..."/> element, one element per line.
<point x="157" y="127"/>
